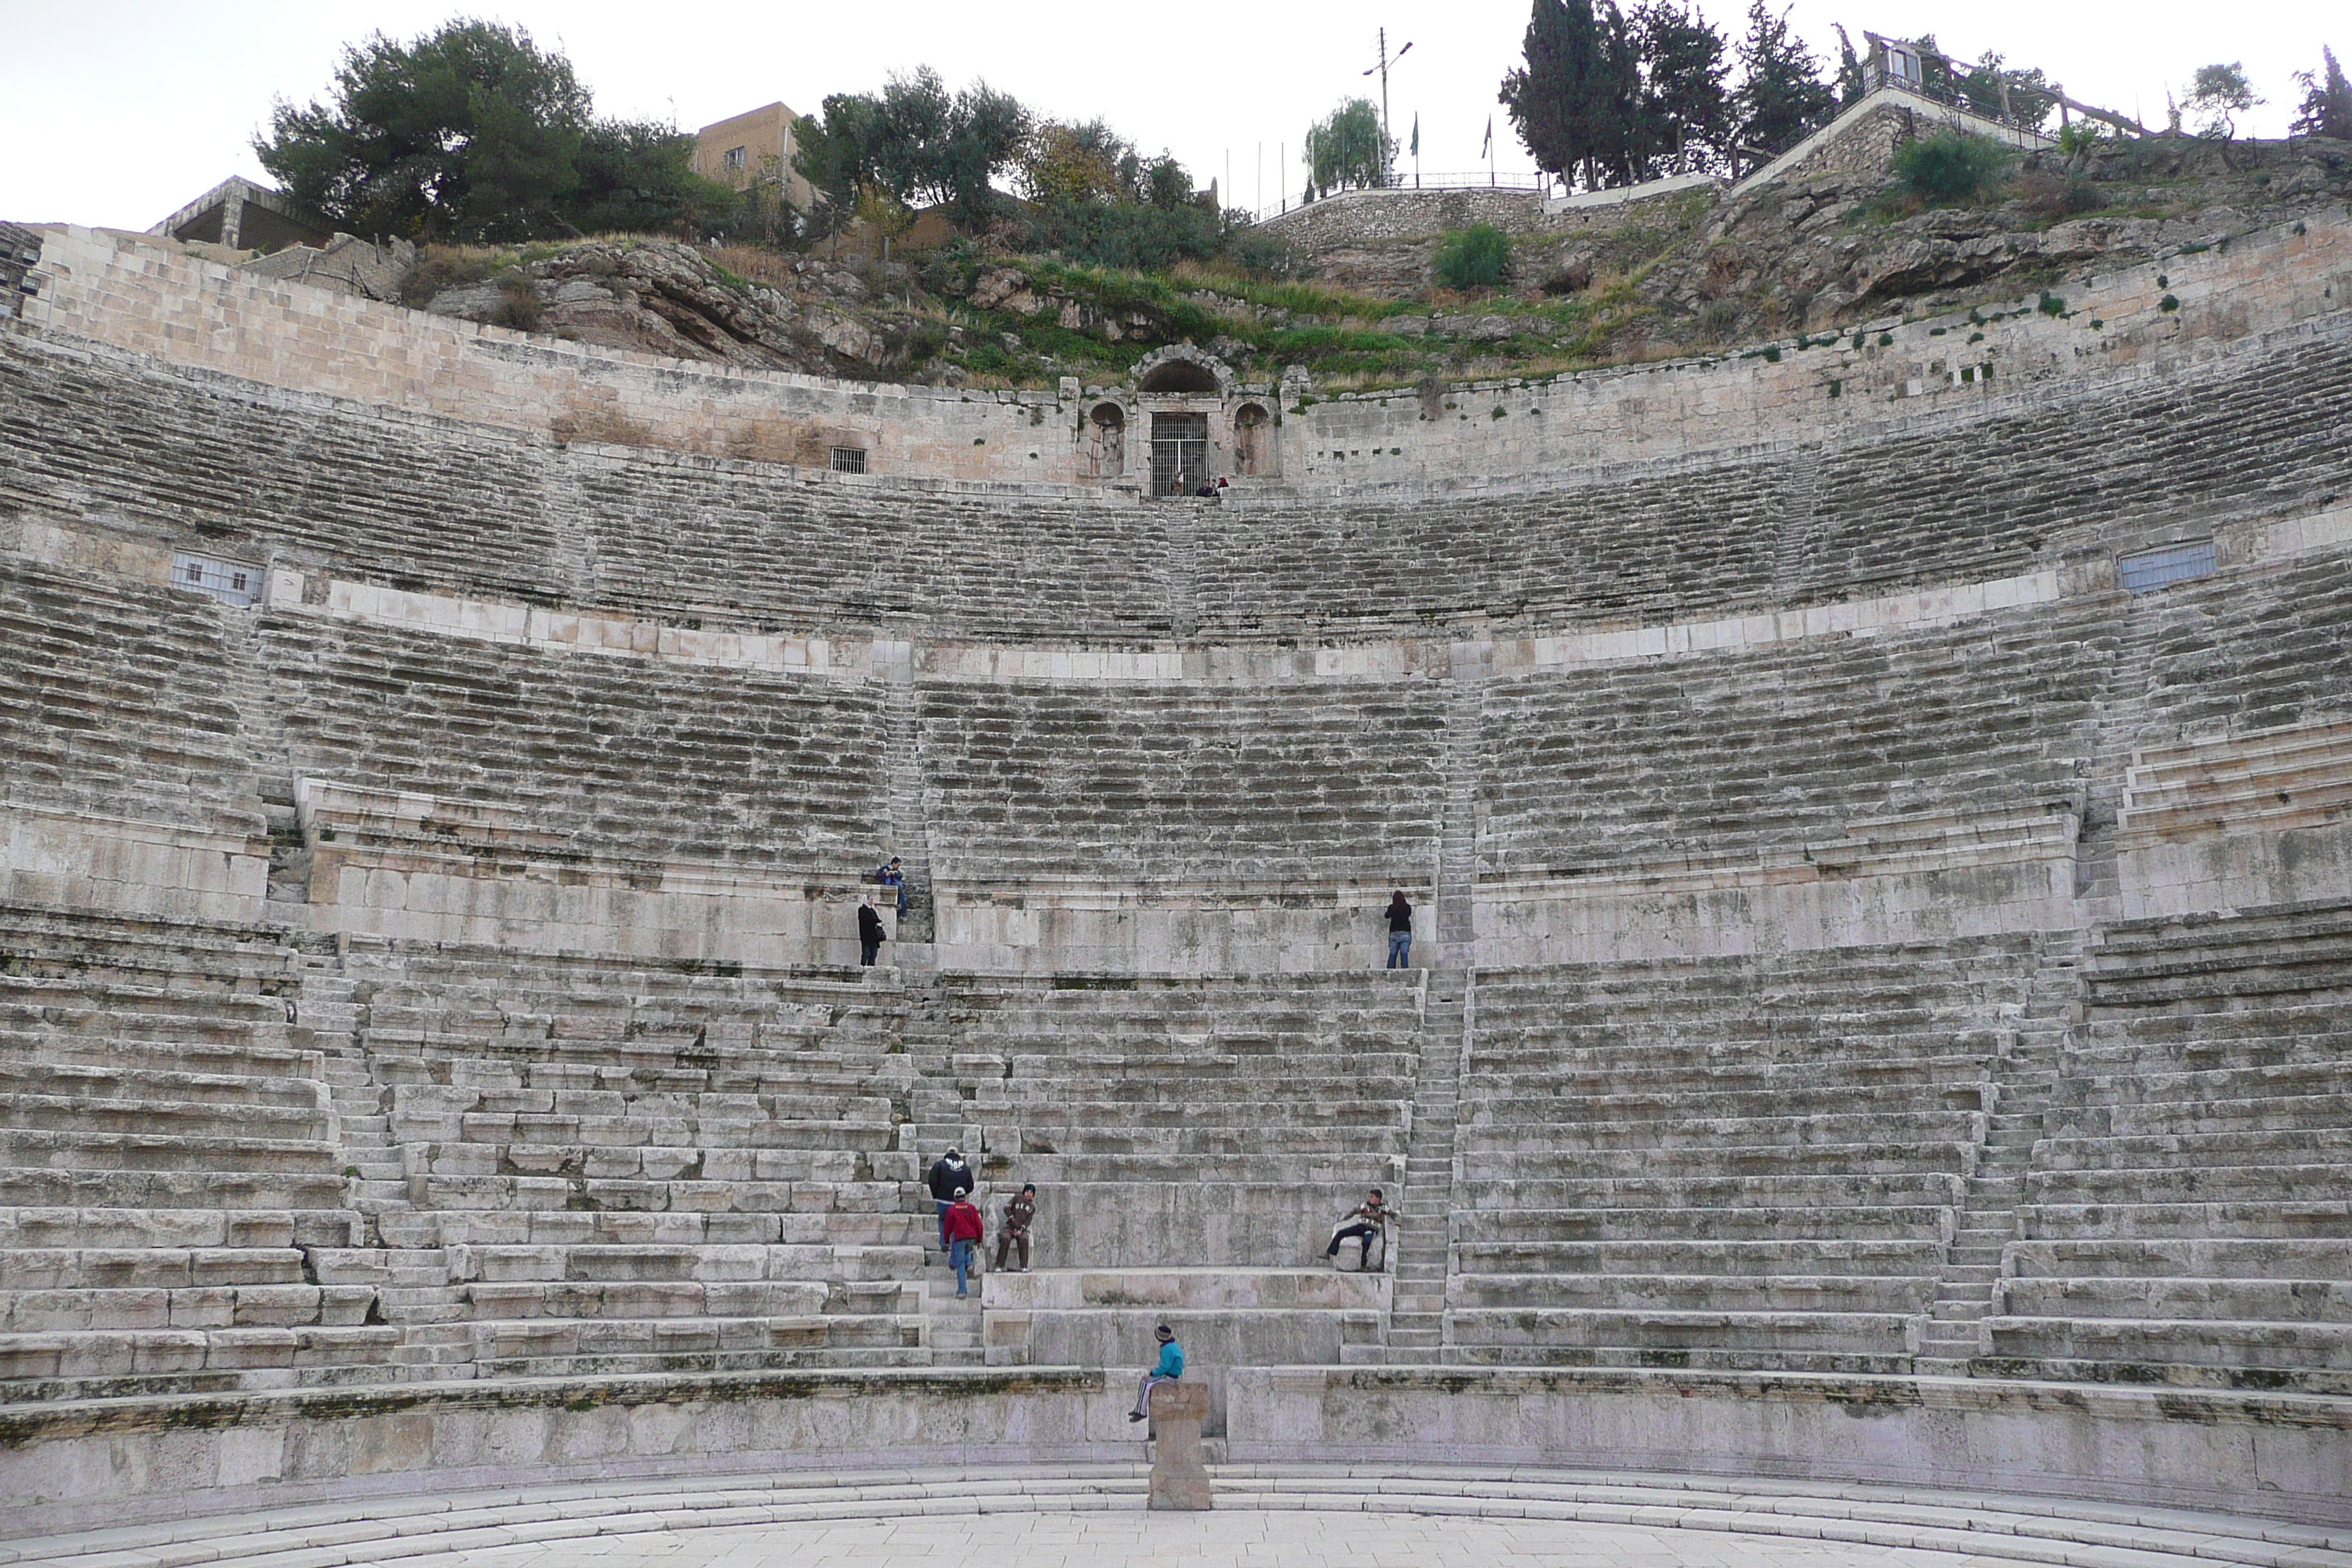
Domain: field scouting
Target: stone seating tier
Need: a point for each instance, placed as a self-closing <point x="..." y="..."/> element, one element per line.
<point x="170" y="1184"/>
<point x="753" y="764"/>
<point x="1161" y="783"/>
<point x="434" y="503"/>
<point x="2185" y="1219"/>
<point x="110" y="700"/>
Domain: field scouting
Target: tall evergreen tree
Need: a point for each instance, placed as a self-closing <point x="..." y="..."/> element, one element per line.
<point x="1685" y="114"/>
<point x="1782" y="97"/>
<point x="2326" y="108"/>
<point x="1550" y="97"/>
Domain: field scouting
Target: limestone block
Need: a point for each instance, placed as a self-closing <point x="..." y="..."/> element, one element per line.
<point x="1179" y="1479"/>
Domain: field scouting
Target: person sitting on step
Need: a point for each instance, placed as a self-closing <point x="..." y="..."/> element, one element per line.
<point x="1169" y="1368"/>
<point x="1020" y="1209"/>
<point x="1368" y="1222"/>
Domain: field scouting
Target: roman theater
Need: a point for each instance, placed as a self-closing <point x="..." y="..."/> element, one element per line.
<point x="1875" y="1075"/>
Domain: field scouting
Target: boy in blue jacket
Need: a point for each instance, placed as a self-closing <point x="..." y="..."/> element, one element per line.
<point x="1171" y="1368"/>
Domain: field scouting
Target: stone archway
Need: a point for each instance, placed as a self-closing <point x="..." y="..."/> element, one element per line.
<point x="1184" y="370"/>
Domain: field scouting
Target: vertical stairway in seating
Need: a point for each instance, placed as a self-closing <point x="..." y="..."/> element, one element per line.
<point x="2025" y="1079"/>
<point x="1457" y="842"/>
<point x="910" y="837"/>
<point x="411" y="1267"/>
<point x="1416" y="1328"/>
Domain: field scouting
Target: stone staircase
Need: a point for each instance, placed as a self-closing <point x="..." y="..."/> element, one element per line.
<point x="1457" y="848"/>
<point x="414" y="1294"/>
<point x="909" y="824"/>
<point x="2025" y="1080"/>
<point x="951" y="1327"/>
<point x="1416" y="1327"/>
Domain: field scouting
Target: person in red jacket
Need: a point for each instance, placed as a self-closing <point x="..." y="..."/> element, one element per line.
<point x="963" y="1228"/>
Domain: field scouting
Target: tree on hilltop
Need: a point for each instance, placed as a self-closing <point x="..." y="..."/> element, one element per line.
<point x="473" y="132"/>
<point x="2218" y="94"/>
<point x="2326" y="108"/>
<point x="1611" y="99"/>
<point x="915" y="141"/>
<point x="1782" y="98"/>
<point x="1346" y="148"/>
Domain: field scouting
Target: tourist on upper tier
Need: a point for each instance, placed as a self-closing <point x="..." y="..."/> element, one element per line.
<point x="1169" y="1368"/>
<point x="949" y="1179"/>
<point x="1400" y="931"/>
<point x="869" y="933"/>
<point x="963" y="1225"/>
<point x="1020" y="1209"/>
<point x="1367" y="1221"/>
<point x="892" y="875"/>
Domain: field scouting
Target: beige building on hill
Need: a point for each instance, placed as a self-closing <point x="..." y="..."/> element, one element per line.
<point x="753" y="146"/>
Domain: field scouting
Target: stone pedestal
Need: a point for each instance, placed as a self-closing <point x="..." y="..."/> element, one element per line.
<point x="1179" y="1480"/>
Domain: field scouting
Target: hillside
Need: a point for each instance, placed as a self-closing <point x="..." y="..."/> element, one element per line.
<point x="1693" y="273"/>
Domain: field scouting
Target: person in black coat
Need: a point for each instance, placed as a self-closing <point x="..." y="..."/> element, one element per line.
<point x="949" y="1179"/>
<point x="1399" y="932"/>
<point x="869" y="932"/>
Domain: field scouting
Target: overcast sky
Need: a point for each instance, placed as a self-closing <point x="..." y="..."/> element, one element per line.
<point x="114" y="112"/>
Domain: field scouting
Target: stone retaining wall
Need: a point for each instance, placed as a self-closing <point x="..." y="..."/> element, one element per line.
<point x="81" y="1466"/>
<point x="2231" y="297"/>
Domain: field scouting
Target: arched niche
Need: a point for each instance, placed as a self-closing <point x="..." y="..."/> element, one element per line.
<point x="1252" y="439"/>
<point x="1106" y="439"/>
<point x="1180" y="376"/>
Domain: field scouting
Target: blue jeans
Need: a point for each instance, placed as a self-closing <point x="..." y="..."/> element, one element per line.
<point x="960" y="1256"/>
<point x="943" y="1220"/>
<point x="1399" y="949"/>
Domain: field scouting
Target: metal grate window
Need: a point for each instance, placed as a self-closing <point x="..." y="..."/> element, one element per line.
<point x="1179" y="453"/>
<point x="2153" y="569"/>
<point x="227" y="581"/>
<point x="850" y="460"/>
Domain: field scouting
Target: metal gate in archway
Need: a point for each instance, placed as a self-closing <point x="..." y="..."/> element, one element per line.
<point x="1179" y="453"/>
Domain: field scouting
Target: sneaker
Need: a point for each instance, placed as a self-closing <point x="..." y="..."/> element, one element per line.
<point x="1134" y="1416"/>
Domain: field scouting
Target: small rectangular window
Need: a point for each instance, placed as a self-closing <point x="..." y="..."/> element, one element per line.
<point x="2153" y="569"/>
<point x="735" y="156"/>
<point x="227" y="581"/>
<point x="850" y="460"/>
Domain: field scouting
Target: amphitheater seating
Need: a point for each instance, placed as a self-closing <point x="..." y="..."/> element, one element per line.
<point x="1789" y="744"/>
<point x="172" y="1216"/>
<point x="634" y="756"/>
<point x="2187" y="1218"/>
<point x="1725" y="1162"/>
<point x="436" y="502"/>
<point x="417" y="504"/>
<point x="642" y="1166"/>
<point x="2220" y="657"/>
<point x="1170" y="1121"/>
<point x="1152" y="783"/>
<point x="113" y="699"/>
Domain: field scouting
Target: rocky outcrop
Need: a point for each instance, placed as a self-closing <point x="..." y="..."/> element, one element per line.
<point x="671" y="299"/>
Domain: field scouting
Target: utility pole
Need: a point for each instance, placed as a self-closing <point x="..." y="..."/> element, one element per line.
<point x="1386" y="175"/>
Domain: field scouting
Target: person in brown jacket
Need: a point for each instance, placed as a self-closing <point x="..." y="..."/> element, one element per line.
<point x="1019" y="1210"/>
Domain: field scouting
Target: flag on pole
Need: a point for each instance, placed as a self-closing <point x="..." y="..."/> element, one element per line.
<point x="1415" y="148"/>
<point x="1489" y="145"/>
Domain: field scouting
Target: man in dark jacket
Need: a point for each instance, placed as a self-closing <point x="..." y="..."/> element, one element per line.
<point x="949" y="1179"/>
<point x="869" y="932"/>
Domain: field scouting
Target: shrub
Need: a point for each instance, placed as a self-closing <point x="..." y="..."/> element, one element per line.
<point x="1474" y="258"/>
<point x="1951" y="167"/>
<point x="2048" y="193"/>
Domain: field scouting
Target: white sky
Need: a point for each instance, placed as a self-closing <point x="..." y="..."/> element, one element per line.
<point x="114" y="112"/>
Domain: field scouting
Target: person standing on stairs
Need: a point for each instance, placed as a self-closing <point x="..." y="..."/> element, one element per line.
<point x="1020" y="1209"/>
<point x="869" y="933"/>
<point x="962" y="1227"/>
<point x="1368" y="1222"/>
<point x="1400" y="931"/>
<point x="949" y="1179"/>
<point x="1169" y="1368"/>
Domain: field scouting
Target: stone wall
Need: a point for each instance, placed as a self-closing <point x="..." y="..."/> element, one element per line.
<point x="2116" y="330"/>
